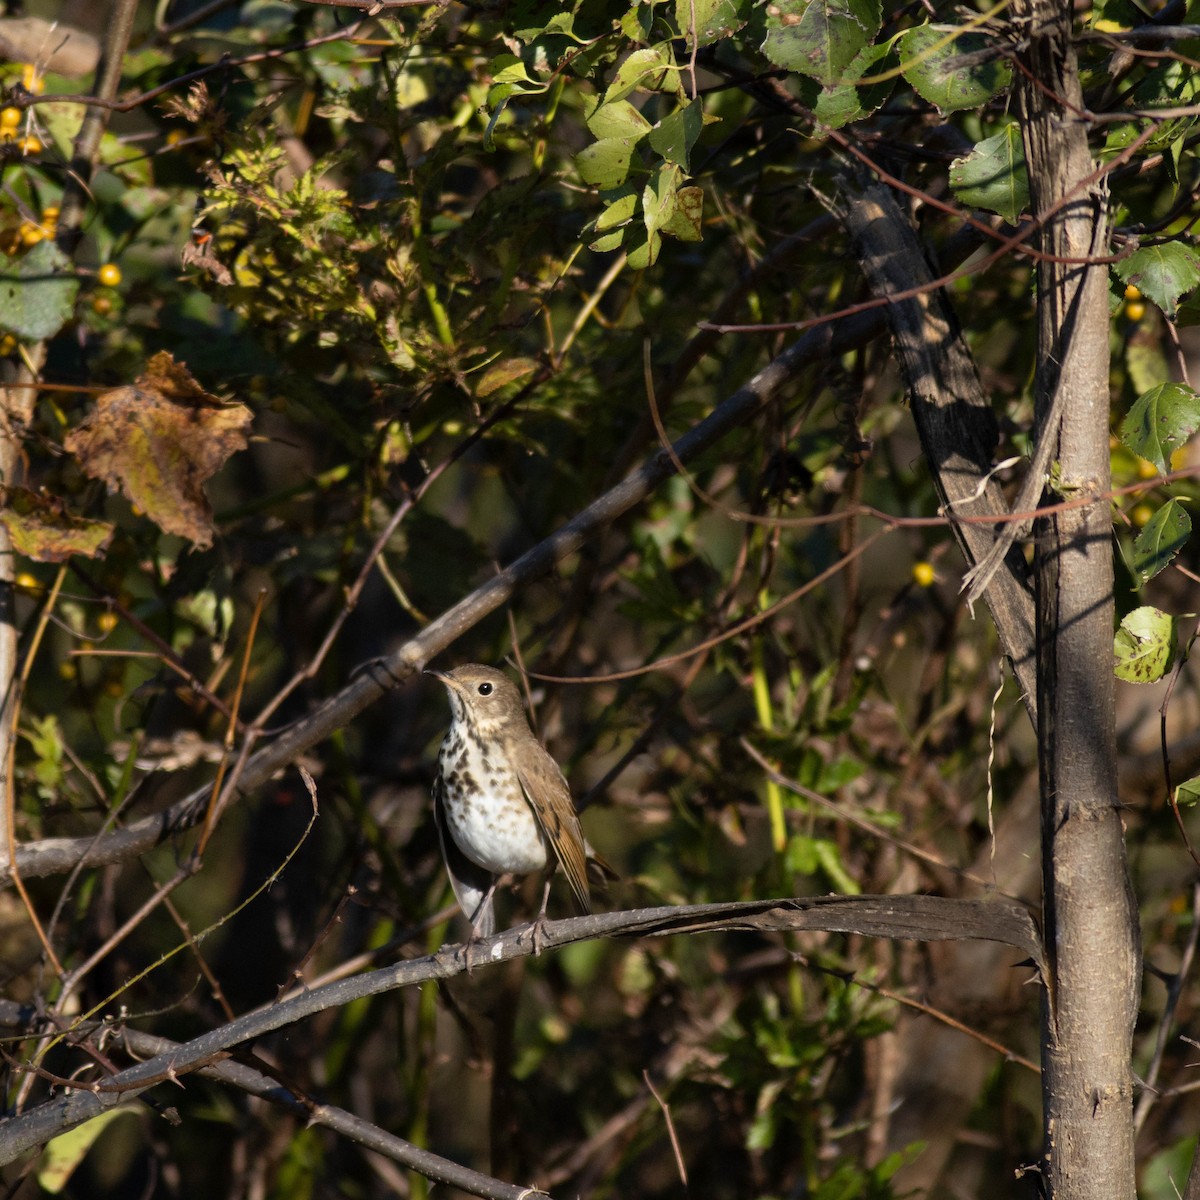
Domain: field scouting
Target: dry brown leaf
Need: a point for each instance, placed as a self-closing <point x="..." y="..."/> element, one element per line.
<point x="159" y="440"/>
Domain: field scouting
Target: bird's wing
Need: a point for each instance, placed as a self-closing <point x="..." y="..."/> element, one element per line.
<point x="471" y="883"/>
<point x="550" y="798"/>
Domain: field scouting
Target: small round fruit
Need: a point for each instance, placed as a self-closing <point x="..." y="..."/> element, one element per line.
<point x="1141" y="515"/>
<point x="31" y="145"/>
<point x="31" y="234"/>
<point x="1133" y="292"/>
<point x="32" y="81"/>
<point x="102" y="305"/>
<point x="108" y="621"/>
<point x="1135" y="310"/>
<point x="10" y="117"/>
<point x="109" y="275"/>
<point x="27" y="582"/>
<point x="923" y="574"/>
<point x="8" y="345"/>
<point x="1146" y="469"/>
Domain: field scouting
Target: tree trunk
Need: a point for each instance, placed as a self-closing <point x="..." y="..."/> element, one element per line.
<point x="1090" y="917"/>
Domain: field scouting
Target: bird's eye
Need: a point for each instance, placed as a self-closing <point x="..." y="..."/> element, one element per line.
<point x="485" y="689"/>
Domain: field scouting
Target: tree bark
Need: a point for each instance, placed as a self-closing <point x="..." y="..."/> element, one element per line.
<point x="1090" y="917"/>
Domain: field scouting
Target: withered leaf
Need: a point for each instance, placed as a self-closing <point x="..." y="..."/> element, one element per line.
<point x="41" y="528"/>
<point x="158" y="440"/>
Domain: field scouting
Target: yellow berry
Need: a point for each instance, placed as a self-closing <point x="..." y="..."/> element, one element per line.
<point x="8" y="345"/>
<point x="175" y="136"/>
<point x="10" y="117"/>
<point x="31" y="145"/>
<point x="1146" y="469"/>
<point x="1135" y="310"/>
<point x="27" y="582"/>
<point x="109" y="275"/>
<point x="67" y="670"/>
<point x="923" y="574"/>
<point x="102" y="305"/>
<point x="31" y="234"/>
<point x="32" y="81"/>
<point x="108" y="621"/>
<point x="1133" y="292"/>
<point x="1141" y="514"/>
<point x="114" y="688"/>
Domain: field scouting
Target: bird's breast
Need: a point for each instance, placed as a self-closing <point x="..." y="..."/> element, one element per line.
<point x="486" y="810"/>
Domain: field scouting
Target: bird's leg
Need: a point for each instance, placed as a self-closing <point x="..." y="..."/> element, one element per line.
<point x="539" y="922"/>
<point x="481" y="916"/>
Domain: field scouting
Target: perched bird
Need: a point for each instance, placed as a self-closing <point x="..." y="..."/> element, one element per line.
<point x="501" y="803"/>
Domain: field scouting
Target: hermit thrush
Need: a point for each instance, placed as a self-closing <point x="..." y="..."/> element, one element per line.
<point x="501" y="803"/>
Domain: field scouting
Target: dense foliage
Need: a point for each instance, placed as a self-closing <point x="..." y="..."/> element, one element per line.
<point x="440" y="274"/>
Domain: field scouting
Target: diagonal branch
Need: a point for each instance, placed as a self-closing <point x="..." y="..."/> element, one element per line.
<point x="953" y="413"/>
<point x="55" y="855"/>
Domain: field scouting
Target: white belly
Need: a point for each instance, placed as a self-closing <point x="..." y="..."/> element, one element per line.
<point x="496" y="832"/>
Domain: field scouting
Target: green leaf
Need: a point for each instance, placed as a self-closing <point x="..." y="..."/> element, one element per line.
<point x="1164" y="535"/>
<point x="933" y="58"/>
<point x="1187" y="795"/>
<point x="659" y="197"/>
<point x="650" y="70"/>
<point x="1144" y="646"/>
<point x="619" y="209"/>
<point x="993" y="175"/>
<point x="37" y="292"/>
<point x="1162" y="273"/>
<point x="820" y="38"/>
<point x="605" y="164"/>
<point x="714" y="19"/>
<point x="1174" y="85"/>
<point x="508" y="68"/>
<point x="1160" y="421"/>
<point x="610" y="241"/>
<point x="848" y="101"/>
<point x="65" y="1152"/>
<point x="675" y="135"/>
<point x="618" y="119"/>
<point x="46" y="740"/>
<point x="643" y="252"/>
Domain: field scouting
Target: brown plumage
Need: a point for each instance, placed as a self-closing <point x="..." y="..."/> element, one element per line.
<point x="501" y="803"/>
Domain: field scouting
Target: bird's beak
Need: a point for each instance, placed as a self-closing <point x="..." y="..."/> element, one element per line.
<point x="442" y="677"/>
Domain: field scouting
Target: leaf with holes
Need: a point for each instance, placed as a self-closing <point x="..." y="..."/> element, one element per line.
<point x="37" y="292"/>
<point x="847" y="100"/>
<point x="820" y="38"/>
<point x="158" y="441"/>
<point x="1144" y="646"/>
<point x="952" y="69"/>
<point x="1162" y="273"/>
<point x="1165" y="534"/>
<point x="993" y="175"/>
<point x="706" y="21"/>
<point x="1160" y="421"/>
